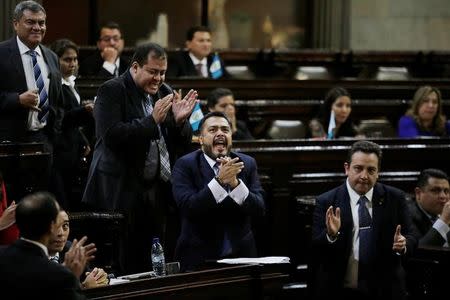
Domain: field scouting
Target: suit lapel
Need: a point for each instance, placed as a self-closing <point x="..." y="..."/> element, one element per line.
<point x="343" y="203"/>
<point x="134" y="95"/>
<point x="378" y="200"/>
<point x="16" y="61"/>
<point x="205" y="168"/>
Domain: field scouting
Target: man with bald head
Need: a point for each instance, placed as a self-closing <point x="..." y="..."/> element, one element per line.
<point x="24" y="266"/>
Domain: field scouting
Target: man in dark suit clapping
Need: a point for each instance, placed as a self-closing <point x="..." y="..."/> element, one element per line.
<point x="217" y="192"/>
<point x="361" y="230"/>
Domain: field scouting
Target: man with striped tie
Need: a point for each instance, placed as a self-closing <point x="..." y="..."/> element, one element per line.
<point x="142" y="125"/>
<point x="30" y="88"/>
<point x="361" y="230"/>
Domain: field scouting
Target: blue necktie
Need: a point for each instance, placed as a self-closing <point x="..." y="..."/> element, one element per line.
<point x="365" y="233"/>
<point x="43" y="97"/>
<point x="226" y="244"/>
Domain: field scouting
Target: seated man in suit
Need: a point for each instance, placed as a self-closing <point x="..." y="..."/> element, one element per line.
<point x="217" y="191"/>
<point x="59" y="245"/>
<point x="24" y="266"/>
<point x="222" y="100"/>
<point x="107" y="61"/>
<point x="431" y="210"/>
<point x="198" y="61"/>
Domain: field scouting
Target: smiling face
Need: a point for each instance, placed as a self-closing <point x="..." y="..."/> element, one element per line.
<point x="30" y="28"/>
<point x="151" y="75"/>
<point x="342" y="108"/>
<point x="60" y="234"/>
<point x="215" y="137"/>
<point x="362" y="171"/>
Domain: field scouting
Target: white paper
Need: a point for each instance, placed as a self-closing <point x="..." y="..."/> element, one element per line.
<point x="256" y="260"/>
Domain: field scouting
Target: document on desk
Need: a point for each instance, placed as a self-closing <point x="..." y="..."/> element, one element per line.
<point x="256" y="260"/>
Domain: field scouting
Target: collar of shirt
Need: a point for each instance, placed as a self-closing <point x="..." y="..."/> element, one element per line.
<point x="432" y="219"/>
<point x="354" y="196"/>
<point x="210" y="161"/>
<point x="70" y="81"/>
<point x="196" y="61"/>
<point x="24" y="49"/>
<point x="42" y="246"/>
<point x="56" y="256"/>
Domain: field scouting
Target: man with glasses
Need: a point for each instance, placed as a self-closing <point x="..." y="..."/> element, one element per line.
<point x="431" y="210"/>
<point x="142" y="125"/>
<point x="107" y="61"/>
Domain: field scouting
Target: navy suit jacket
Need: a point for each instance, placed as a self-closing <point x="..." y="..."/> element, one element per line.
<point x="204" y="221"/>
<point x="124" y="133"/>
<point x="25" y="271"/>
<point x="330" y="259"/>
<point x="428" y="236"/>
<point x="13" y="116"/>
<point x="180" y="65"/>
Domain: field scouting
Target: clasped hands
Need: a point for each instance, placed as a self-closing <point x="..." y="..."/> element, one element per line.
<point x="229" y="168"/>
<point x="181" y="108"/>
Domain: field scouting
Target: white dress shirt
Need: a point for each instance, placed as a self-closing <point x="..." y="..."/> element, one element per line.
<point x="33" y="122"/>
<point x="239" y="194"/>
<point x="203" y="62"/>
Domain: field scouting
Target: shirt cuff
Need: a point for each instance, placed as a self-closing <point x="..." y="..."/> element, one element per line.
<point x="442" y="228"/>
<point x="109" y="67"/>
<point x="240" y="193"/>
<point x="217" y="190"/>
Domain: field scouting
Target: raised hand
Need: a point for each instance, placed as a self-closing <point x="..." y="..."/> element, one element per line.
<point x="333" y="221"/>
<point x="182" y="108"/>
<point x="399" y="241"/>
<point x="161" y="108"/>
<point x="9" y="216"/>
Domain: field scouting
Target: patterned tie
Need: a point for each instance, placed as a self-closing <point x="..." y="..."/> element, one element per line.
<point x="198" y="67"/>
<point x="55" y="258"/>
<point x="43" y="102"/>
<point x="365" y="232"/>
<point x="164" y="160"/>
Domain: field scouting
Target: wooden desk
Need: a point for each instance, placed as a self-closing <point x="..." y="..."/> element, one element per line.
<point x="225" y="282"/>
<point x="24" y="167"/>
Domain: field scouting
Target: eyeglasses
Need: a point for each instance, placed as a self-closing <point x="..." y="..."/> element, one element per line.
<point x="115" y="38"/>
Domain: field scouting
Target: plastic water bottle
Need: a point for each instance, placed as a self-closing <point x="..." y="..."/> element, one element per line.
<point x="158" y="260"/>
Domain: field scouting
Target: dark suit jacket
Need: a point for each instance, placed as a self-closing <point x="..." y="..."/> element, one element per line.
<point x="72" y="140"/>
<point x="204" y="222"/>
<point x="428" y="236"/>
<point x="330" y="259"/>
<point x="123" y="140"/>
<point x="25" y="272"/>
<point x="13" y="116"/>
<point x="93" y="66"/>
<point x="180" y="65"/>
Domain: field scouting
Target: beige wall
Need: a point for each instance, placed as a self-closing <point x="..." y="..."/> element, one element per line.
<point x="400" y="25"/>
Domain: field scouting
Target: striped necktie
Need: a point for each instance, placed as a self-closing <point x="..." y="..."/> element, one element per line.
<point x="43" y="97"/>
<point x="164" y="160"/>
